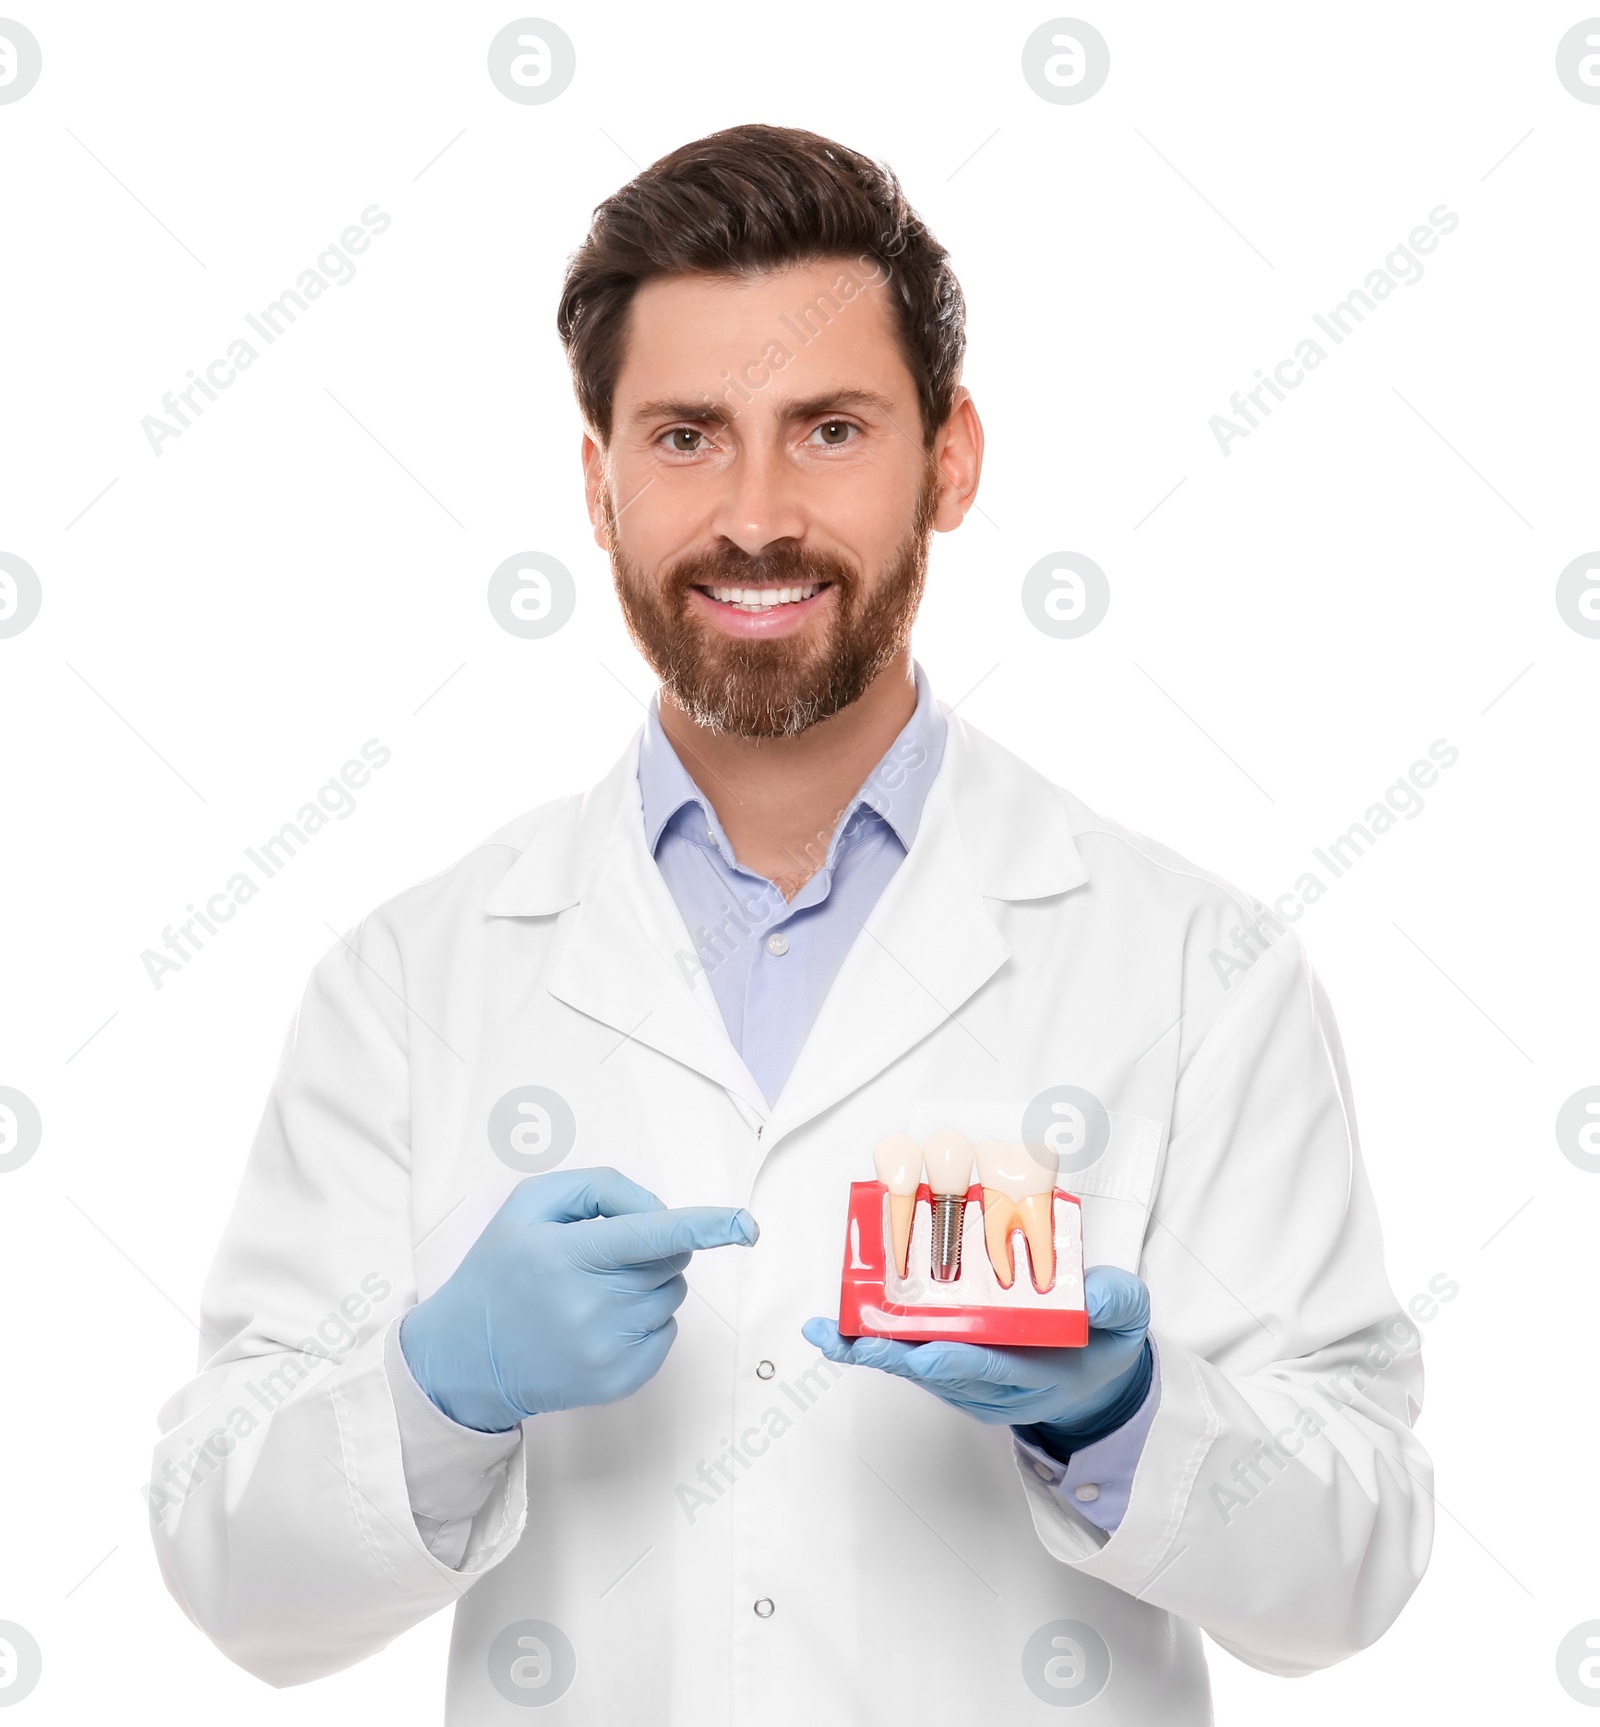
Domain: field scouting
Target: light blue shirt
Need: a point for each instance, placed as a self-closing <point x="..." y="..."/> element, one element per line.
<point x="770" y="962"/>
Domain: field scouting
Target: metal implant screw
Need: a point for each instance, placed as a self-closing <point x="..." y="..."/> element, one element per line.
<point x="948" y="1213"/>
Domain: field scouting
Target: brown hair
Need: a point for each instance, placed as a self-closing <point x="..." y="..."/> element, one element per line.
<point x="750" y="199"/>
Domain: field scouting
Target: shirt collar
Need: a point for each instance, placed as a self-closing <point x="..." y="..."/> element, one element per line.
<point x="896" y="789"/>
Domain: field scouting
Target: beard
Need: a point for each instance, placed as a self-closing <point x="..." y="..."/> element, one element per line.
<point x="776" y="688"/>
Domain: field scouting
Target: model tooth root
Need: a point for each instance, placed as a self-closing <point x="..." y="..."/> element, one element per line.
<point x="999" y="1219"/>
<point x="902" y="1214"/>
<point x="1038" y="1222"/>
<point x="898" y="1160"/>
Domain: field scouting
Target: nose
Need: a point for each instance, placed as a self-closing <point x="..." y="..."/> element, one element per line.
<point x="759" y="504"/>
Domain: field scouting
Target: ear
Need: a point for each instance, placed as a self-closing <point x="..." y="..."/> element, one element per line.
<point x="958" y="455"/>
<point x="594" y="485"/>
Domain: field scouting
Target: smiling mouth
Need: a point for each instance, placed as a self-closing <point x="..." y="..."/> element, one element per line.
<point x="766" y="599"/>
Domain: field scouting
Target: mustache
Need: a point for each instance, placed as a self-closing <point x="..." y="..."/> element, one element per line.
<point x="786" y="563"/>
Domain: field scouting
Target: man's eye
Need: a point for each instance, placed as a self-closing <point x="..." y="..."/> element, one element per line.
<point x="684" y="439"/>
<point x="834" y="432"/>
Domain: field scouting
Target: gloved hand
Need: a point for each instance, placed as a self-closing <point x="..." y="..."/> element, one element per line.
<point x="566" y="1299"/>
<point x="1067" y="1395"/>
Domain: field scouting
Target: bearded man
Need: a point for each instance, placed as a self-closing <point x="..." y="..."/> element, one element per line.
<point x="532" y="1105"/>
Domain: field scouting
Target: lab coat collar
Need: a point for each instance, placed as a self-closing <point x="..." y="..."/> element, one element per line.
<point x="992" y="828"/>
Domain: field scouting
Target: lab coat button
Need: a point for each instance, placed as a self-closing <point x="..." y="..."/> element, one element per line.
<point x="765" y="1370"/>
<point x="764" y="1607"/>
<point x="777" y="944"/>
<point x="1088" y="1493"/>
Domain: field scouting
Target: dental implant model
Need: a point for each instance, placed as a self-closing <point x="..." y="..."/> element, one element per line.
<point x="948" y="1157"/>
<point x="904" y="1274"/>
<point x="898" y="1158"/>
<point x="1018" y="1194"/>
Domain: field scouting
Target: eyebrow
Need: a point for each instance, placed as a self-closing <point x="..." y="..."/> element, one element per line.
<point x="710" y="412"/>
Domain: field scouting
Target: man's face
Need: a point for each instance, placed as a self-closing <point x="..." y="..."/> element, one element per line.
<point x="766" y="494"/>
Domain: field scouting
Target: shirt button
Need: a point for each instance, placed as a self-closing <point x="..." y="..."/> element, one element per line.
<point x="1044" y="1472"/>
<point x="778" y="943"/>
<point x="1087" y="1493"/>
<point x="765" y="1370"/>
<point x="764" y="1607"/>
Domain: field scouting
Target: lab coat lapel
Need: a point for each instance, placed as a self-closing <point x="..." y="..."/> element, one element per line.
<point x="628" y="961"/>
<point x="991" y="828"/>
<point x="631" y="964"/>
<point x="925" y="948"/>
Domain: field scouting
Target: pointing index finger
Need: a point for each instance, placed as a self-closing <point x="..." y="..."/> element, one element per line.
<point x="616" y="1243"/>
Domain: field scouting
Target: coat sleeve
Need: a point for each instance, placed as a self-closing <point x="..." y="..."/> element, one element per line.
<point x="278" y="1497"/>
<point x="1281" y="1501"/>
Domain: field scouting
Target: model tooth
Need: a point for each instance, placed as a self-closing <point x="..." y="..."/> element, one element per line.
<point x="898" y="1159"/>
<point x="948" y="1157"/>
<point x="1019" y="1193"/>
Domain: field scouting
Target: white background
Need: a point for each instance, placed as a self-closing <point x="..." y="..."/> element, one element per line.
<point x="1292" y="627"/>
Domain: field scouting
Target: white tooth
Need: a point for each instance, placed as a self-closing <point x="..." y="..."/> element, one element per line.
<point x="948" y="1155"/>
<point x="1016" y="1170"/>
<point x="787" y="596"/>
<point x="898" y="1160"/>
<point x="1018" y="1193"/>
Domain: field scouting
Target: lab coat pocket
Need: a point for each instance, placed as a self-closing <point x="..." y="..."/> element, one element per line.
<point x="1117" y="1190"/>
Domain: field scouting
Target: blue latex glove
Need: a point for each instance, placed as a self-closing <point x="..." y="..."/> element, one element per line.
<point x="1066" y="1397"/>
<point x="566" y="1299"/>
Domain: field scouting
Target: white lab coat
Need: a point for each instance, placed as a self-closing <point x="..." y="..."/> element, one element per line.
<point x="907" y="1551"/>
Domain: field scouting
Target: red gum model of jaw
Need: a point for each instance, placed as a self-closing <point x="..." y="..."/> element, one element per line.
<point x="865" y="1309"/>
